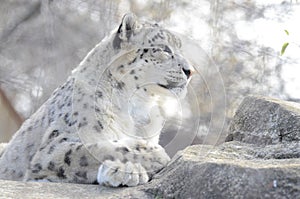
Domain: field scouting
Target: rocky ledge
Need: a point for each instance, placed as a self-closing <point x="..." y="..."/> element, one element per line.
<point x="260" y="159"/>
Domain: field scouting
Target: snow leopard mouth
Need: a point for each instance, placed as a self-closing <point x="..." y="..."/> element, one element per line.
<point x="170" y="86"/>
<point x="165" y="86"/>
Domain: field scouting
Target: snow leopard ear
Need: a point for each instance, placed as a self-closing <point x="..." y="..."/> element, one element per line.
<point x="127" y="26"/>
<point x="125" y="29"/>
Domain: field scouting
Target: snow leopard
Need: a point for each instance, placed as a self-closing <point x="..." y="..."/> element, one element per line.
<point x="102" y="126"/>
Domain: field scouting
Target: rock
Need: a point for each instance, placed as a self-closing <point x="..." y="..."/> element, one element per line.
<point x="257" y="163"/>
<point x="228" y="171"/>
<point x="28" y="190"/>
<point x="2" y="146"/>
<point x="263" y="120"/>
<point x="232" y="170"/>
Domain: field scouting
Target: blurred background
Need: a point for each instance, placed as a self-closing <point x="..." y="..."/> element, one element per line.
<point x="235" y="46"/>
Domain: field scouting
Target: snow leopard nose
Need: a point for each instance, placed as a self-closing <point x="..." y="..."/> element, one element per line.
<point x="187" y="72"/>
<point x="185" y="66"/>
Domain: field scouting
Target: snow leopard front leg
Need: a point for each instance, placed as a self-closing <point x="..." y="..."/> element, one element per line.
<point x="62" y="158"/>
<point x="134" y="163"/>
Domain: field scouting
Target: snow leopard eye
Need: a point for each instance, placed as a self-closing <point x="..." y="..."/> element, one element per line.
<point x="167" y="50"/>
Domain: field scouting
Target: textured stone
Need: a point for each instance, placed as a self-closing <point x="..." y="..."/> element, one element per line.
<point x="231" y="170"/>
<point x="259" y="163"/>
<point x="263" y="120"/>
<point x="29" y="190"/>
<point x="2" y="146"/>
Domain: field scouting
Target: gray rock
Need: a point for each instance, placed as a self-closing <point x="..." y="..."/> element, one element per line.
<point x="263" y="121"/>
<point x="231" y="170"/>
<point x="2" y="147"/>
<point x="260" y="163"/>
<point x="47" y="190"/>
<point x="228" y="171"/>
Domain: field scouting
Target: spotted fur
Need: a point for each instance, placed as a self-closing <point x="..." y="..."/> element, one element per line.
<point x="103" y="124"/>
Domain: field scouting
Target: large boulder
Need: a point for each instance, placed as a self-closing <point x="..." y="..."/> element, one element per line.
<point x="29" y="190"/>
<point x="271" y="123"/>
<point x="231" y="170"/>
<point x="256" y="162"/>
<point x="259" y="160"/>
<point x="264" y="121"/>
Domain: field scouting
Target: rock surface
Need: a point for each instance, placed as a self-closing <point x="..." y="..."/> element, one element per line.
<point x="261" y="158"/>
<point x="257" y="162"/>
<point x="29" y="190"/>
<point x="263" y="121"/>
<point x="201" y="171"/>
<point x="2" y="146"/>
<point x="228" y="171"/>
